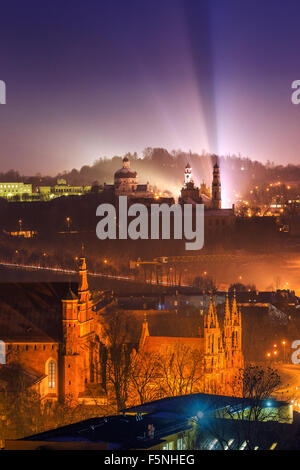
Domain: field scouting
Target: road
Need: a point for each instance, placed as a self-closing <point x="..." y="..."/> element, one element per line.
<point x="290" y="387"/>
<point x="71" y="271"/>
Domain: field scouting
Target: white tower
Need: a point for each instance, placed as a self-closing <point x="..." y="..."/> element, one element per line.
<point x="188" y="175"/>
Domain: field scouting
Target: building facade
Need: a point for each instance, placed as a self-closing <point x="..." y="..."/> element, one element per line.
<point x="126" y="183"/>
<point x="219" y="346"/>
<point x="55" y="333"/>
<point x="52" y="333"/>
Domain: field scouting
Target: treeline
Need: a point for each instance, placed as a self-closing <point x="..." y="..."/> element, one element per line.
<point x="165" y="169"/>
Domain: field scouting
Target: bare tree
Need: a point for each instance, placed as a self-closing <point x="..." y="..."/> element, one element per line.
<point x="117" y="329"/>
<point x="144" y="376"/>
<point x="241" y="421"/>
<point x="181" y="371"/>
<point x="23" y="412"/>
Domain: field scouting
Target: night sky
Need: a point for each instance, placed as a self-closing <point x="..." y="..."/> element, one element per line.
<point x="92" y="78"/>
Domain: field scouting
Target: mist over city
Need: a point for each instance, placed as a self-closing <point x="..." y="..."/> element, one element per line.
<point x="128" y="130"/>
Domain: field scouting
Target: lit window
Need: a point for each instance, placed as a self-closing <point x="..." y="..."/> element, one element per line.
<point x="230" y="442"/>
<point x="51" y="374"/>
<point x="273" y="446"/>
<point x="168" y="446"/>
<point x="243" y="445"/>
<point x="180" y="444"/>
<point x="212" y="444"/>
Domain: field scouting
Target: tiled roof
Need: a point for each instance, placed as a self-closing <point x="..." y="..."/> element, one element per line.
<point x="162" y="343"/>
<point x="32" y="311"/>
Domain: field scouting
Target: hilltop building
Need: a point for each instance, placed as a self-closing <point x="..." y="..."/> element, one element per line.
<point x="126" y="183"/>
<point x="12" y="190"/>
<point x="218" y="222"/>
<point x="191" y="194"/>
<point x="62" y="189"/>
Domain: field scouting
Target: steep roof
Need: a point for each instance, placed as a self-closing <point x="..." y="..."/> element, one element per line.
<point x="32" y="311"/>
<point x="125" y="173"/>
<point x="163" y="343"/>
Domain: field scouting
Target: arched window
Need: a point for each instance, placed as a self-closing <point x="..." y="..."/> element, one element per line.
<point x="51" y="374"/>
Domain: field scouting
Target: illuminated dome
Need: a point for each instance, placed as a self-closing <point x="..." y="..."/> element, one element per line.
<point x="126" y="171"/>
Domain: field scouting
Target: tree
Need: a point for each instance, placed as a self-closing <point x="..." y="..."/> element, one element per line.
<point x="241" y="422"/>
<point x="181" y="371"/>
<point x="204" y="283"/>
<point x="144" y="377"/>
<point x="239" y="287"/>
<point x="23" y="412"/>
<point x="117" y="328"/>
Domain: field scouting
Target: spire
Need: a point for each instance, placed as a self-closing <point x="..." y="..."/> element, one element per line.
<point x="126" y="162"/>
<point x="211" y="318"/>
<point x="145" y="331"/>
<point x="83" y="288"/>
<point x="188" y="174"/>
<point x="227" y="311"/>
<point x="234" y="304"/>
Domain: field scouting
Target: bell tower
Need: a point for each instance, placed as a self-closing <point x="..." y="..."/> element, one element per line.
<point x="213" y="348"/>
<point x="83" y="289"/>
<point x="187" y="175"/>
<point x="216" y="188"/>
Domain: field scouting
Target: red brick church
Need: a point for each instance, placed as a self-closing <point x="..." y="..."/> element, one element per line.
<point x="54" y="332"/>
<point x="51" y="332"/>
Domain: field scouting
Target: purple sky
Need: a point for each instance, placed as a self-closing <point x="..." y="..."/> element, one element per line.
<point x="93" y="78"/>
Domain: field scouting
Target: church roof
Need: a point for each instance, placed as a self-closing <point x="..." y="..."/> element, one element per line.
<point x="162" y="343"/>
<point x="70" y="295"/>
<point x="32" y="312"/>
<point x="28" y="376"/>
<point x="166" y="324"/>
<point x="125" y="173"/>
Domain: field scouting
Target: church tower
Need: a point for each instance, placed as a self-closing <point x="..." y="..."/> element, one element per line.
<point x="234" y="360"/>
<point x="216" y="188"/>
<point x="189" y="192"/>
<point x="187" y="175"/>
<point x="77" y="326"/>
<point x="236" y="335"/>
<point x="213" y="349"/>
<point x="83" y="289"/>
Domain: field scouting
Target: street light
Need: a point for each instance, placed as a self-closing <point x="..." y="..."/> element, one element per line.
<point x="284" y="343"/>
<point x="68" y="220"/>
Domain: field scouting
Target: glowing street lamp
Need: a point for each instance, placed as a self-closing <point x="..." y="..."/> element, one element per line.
<point x="284" y="343"/>
<point x="68" y="221"/>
